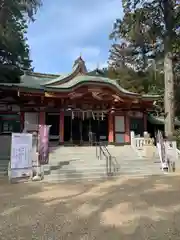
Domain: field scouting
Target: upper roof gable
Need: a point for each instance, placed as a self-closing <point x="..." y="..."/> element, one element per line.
<point x="78" y="77"/>
<point x="79" y="68"/>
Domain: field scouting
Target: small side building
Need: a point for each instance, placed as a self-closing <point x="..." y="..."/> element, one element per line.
<point x="155" y="123"/>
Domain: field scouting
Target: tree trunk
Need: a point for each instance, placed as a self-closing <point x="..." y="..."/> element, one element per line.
<point x="169" y="95"/>
<point x="168" y="67"/>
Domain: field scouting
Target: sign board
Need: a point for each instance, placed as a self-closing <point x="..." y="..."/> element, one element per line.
<point x="21" y="155"/>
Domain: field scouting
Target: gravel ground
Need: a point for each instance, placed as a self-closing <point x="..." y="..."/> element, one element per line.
<point x="126" y="208"/>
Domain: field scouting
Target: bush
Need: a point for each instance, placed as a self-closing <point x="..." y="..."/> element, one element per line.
<point x="177" y="137"/>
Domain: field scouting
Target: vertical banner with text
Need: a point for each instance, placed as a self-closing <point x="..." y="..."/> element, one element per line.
<point x="162" y="149"/>
<point x="43" y="144"/>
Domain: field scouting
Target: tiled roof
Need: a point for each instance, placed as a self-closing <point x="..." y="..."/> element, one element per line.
<point x="53" y="82"/>
<point x="159" y="120"/>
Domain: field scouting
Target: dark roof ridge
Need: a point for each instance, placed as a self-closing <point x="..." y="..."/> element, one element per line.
<point x="38" y="74"/>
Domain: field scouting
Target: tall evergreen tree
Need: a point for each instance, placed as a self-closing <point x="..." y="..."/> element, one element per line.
<point x="151" y="28"/>
<point x="14" y="50"/>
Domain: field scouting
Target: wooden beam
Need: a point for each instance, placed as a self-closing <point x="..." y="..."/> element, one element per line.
<point x="117" y="98"/>
<point x="96" y="95"/>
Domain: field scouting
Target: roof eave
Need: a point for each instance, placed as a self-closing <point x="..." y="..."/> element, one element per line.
<point x="147" y="97"/>
<point x="75" y="71"/>
<point x="73" y="87"/>
<point x="44" y="75"/>
<point x="19" y="87"/>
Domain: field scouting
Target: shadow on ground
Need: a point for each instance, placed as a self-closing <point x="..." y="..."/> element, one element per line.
<point x="139" y="208"/>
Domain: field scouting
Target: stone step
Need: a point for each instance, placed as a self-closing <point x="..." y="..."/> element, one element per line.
<point x="96" y="163"/>
<point x="80" y="169"/>
<point x="140" y="167"/>
<point x="75" y="164"/>
<point x="80" y="163"/>
<point x="132" y="164"/>
<point x="100" y="176"/>
<point x="3" y="166"/>
<point x="139" y="174"/>
<point x="3" y="172"/>
<point x="73" y="175"/>
<point x="55" y="179"/>
<point x="101" y="167"/>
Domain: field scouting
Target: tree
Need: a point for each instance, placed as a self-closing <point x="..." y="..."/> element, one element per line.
<point x="151" y="28"/>
<point x="14" y="50"/>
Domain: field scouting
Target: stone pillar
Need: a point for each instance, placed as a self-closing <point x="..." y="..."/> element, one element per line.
<point x="110" y="128"/>
<point x="127" y="129"/>
<point x="132" y="138"/>
<point x="61" y="128"/>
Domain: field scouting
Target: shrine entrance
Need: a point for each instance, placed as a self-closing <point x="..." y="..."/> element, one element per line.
<point x="52" y="119"/>
<point x="81" y="128"/>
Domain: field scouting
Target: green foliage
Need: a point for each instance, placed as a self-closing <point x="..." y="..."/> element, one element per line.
<point x="145" y="26"/>
<point x="149" y="30"/>
<point x="14" y="50"/>
<point x="177" y="137"/>
<point x="149" y="80"/>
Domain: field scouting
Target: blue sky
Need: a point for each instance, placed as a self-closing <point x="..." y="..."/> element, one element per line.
<point x="65" y="28"/>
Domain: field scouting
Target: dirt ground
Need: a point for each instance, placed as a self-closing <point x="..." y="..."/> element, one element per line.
<point x="140" y="208"/>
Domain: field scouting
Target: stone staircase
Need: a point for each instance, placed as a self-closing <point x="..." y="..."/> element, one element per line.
<point x="5" y="146"/>
<point x="74" y="163"/>
<point x="4" y="167"/>
<point x="132" y="164"/>
<point x="78" y="163"/>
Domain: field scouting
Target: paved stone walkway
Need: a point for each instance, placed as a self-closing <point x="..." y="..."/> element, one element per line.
<point x="140" y="208"/>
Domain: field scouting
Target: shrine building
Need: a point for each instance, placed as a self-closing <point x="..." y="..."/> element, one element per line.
<point x="75" y="105"/>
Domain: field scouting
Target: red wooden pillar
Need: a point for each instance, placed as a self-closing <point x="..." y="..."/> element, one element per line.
<point x="42" y="117"/>
<point x="61" y="128"/>
<point x="22" y="119"/>
<point x="110" y="128"/>
<point x="145" y="121"/>
<point x="127" y="129"/>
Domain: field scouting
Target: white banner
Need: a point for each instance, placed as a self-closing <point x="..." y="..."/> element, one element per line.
<point x="171" y="148"/>
<point x="162" y="150"/>
<point x="21" y="155"/>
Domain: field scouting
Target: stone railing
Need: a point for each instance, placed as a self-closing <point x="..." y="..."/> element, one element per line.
<point x="142" y="145"/>
<point x="178" y="152"/>
<point x="140" y="142"/>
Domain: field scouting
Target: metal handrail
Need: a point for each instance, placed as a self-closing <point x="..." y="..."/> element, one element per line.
<point x="113" y="159"/>
<point x="110" y="160"/>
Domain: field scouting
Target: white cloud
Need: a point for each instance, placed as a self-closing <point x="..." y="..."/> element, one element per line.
<point x="64" y="29"/>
